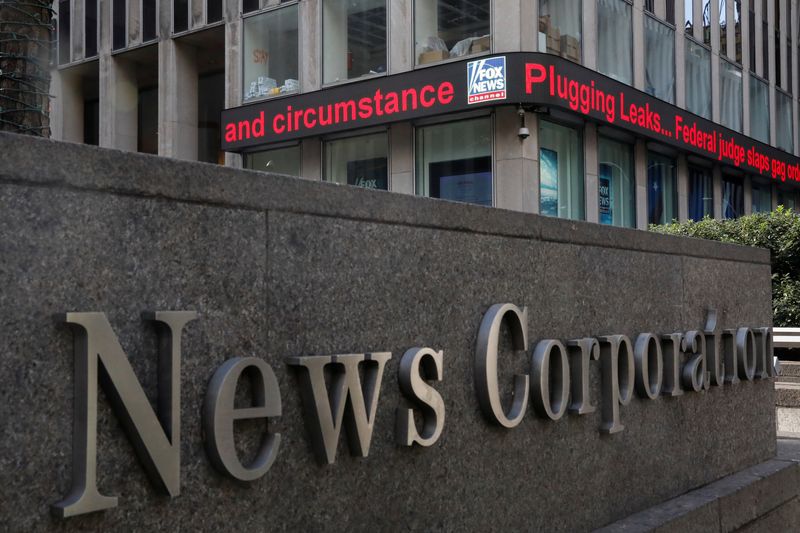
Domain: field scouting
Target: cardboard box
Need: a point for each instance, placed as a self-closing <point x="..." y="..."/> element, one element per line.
<point x="553" y="40"/>
<point x="481" y="45"/>
<point x="544" y="23"/>
<point x="433" y="56"/>
<point x="570" y="48"/>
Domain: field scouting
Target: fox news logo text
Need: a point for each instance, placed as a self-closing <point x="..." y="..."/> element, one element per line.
<point x="486" y="80"/>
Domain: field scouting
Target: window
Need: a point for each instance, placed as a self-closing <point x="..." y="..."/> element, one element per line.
<point x="707" y="22"/>
<point x="280" y="161"/>
<point x="180" y="15"/>
<point x="119" y="39"/>
<point x="450" y="28"/>
<point x="560" y="28"/>
<point x="616" y="185"/>
<point x="147" y="126"/>
<point x="90" y="29"/>
<point x="91" y="121"/>
<point x="786" y="199"/>
<point x="778" y="52"/>
<point x="362" y="161"/>
<point x="454" y="161"/>
<point x="210" y="103"/>
<point x="698" y="79"/>
<point x="353" y="39"/>
<point x="688" y="14"/>
<point x="762" y="197"/>
<point x="149" y="15"/>
<point x="615" y="40"/>
<point x="701" y="193"/>
<point x="560" y="171"/>
<point x="759" y="110"/>
<point x="670" y="8"/>
<point x="213" y="11"/>
<point x="661" y="190"/>
<point x="730" y="95"/>
<point x="784" y="136"/>
<point x="723" y="27"/>
<point x="752" y="33"/>
<point x="250" y="5"/>
<point x="732" y="197"/>
<point x="270" y="54"/>
<point x="764" y="38"/>
<point x="659" y="42"/>
<point x="737" y="20"/>
<point x="64" y="31"/>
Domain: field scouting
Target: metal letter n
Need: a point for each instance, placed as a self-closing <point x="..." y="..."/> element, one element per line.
<point x="155" y="438"/>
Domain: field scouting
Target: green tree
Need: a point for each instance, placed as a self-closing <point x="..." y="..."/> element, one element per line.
<point x="26" y="39"/>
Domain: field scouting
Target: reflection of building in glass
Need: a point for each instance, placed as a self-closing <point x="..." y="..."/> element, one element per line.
<point x="153" y="76"/>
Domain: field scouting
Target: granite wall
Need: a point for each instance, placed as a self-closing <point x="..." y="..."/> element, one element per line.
<point x="279" y="267"/>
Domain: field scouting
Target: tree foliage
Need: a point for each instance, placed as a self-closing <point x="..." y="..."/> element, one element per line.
<point x="26" y="39"/>
<point x="779" y="232"/>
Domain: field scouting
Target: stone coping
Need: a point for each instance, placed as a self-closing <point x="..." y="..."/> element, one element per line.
<point x="88" y="168"/>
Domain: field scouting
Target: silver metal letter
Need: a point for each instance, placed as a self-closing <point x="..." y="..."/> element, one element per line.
<point x="649" y="366"/>
<point x="155" y="438"/>
<point x="617" y="379"/>
<point x="694" y="373"/>
<point x="714" y="353"/>
<point x="746" y="346"/>
<point x="219" y="414"/>
<point x="486" y="364"/>
<point x="581" y="351"/>
<point x="325" y="411"/>
<point x="671" y="348"/>
<point x="551" y="382"/>
<point x="731" y="351"/>
<point x="414" y="387"/>
<point x="765" y="367"/>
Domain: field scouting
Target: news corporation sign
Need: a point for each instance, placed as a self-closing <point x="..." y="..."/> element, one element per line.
<point x="556" y="385"/>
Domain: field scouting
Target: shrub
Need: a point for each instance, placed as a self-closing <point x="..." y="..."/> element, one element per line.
<point x="779" y="232"/>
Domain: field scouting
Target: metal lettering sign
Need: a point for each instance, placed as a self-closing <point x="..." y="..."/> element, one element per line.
<point x="557" y="386"/>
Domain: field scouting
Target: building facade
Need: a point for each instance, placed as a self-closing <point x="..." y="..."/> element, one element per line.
<point x="155" y="77"/>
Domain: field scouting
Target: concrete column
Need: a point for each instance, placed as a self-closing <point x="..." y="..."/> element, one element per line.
<point x="773" y="126"/>
<point x="795" y="32"/>
<point x="77" y="29"/>
<point x="590" y="34"/>
<point x="590" y="172"/>
<point x="401" y="36"/>
<point x="746" y="101"/>
<point x="680" y="57"/>
<point x="640" y="168"/>
<point x="683" y="187"/>
<point x="513" y="186"/>
<point x="310" y="46"/>
<point x="530" y="161"/>
<point x="660" y="8"/>
<point x="716" y="187"/>
<point x="748" y="195"/>
<point x="731" y="30"/>
<point x="135" y="22"/>
<point x="697" y="31"/>
<point x="638" y="44"/>
<point x="233" y="77"/>
<point x="177" y="100"/>
<point x="401" y="145"/>
<point x="746" y="59"/>
<point x="506" y="27"/>
<point x="311" y="152"/>
<point x="759" y="35"/>
<point x="119" y="104"/>
<point x="529" y="22"/>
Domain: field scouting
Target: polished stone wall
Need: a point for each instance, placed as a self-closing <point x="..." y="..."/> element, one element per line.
<point x="280" y="267"/>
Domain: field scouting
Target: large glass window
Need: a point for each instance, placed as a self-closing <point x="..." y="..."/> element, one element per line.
<point x="454" y="161"/>
<point x="615" y="40"/>
<point x="64" y="44"/>
<point x="787" y="199"/>
<point x="732" y="197"/>
<point x="762" y="197"/>
<point x="730" y="95"/>
<point x="560" y="171"/>
<point x="783" y="119"/>
<point x="737" y="20"/>
<point x="149" y="16"/>
<point x="147" y="127"/>
<point x="180" y="15"/>
<point x="280" y="161"/>
<point x="210" y="103"/>
<point x="270" y="54"/>
<point x="752" y="35"/>
<point x="688" y="15"/>
<point x="213" y="11"/>
<point x="560" y="28"/>
<point x="759" y="110"/>
<point x="707" y="22"/>
<point x="698" y="79"/>
<point x="362" y="161"/>
<point x="659" y="41"/>
<point x="451" y="28"/>
<point x="353" y="39"/>
<point x="616" y="185"/>
<point x="723" y="27"/>
<point x="119" y="37"/>
<point x="701" y="193"/>
<point x="662" y="193"/>
<point x="90" y="28"/>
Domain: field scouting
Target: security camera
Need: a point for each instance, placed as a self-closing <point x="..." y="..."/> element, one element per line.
<point x="524" y="133"/>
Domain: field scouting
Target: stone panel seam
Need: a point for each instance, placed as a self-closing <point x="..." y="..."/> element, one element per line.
<point x="533" y="236"/>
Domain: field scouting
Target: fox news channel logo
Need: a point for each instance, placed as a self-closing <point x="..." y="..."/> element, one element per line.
<point x="486" y="80"/>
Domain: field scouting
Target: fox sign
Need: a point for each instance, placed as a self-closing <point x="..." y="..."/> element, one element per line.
<point x="486" y="80"/>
